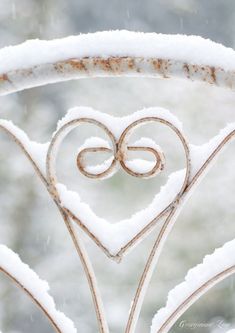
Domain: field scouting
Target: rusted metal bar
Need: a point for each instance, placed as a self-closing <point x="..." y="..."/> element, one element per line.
<point x="69" y="69"/>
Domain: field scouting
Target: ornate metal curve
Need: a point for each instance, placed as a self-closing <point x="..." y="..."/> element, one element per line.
<point x="119" y="148"/>
<point x="120" y="156"/>
<point x="66" y="69"/>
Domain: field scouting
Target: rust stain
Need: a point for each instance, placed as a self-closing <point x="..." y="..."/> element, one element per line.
<point x="186" y="69"/>
<point x="213" y="74"/>
<point x="59" y="67"/>
<point x="115" y="64"/>
<point x="157" y="64"/>
<point x="196" y="68"/>
<point x="105" y="64"/>
<point x="207" y="73"/>
<point x="4" y="77"/>
<point x="131" y="63"/>
<point x="78" y="64"/>
<point x="165" y="68"/>
<point x="162" y="66"/>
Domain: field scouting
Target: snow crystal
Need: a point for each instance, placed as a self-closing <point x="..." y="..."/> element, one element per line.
<point x="191" y="49"/>
<point x="11" y="263"/>
<point x="223" y="258"/>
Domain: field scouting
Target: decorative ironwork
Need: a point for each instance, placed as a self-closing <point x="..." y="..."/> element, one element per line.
<point x="120" y="66"/>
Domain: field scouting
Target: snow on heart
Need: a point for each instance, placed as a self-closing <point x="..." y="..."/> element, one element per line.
<point x="116" y="236"/>
<point x="113" y="237"/>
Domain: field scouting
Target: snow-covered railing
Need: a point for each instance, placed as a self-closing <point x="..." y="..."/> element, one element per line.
<point x="37" y="290"/>
<point x="116" y="53"/>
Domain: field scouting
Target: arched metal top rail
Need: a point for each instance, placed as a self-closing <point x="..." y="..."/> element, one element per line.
<point x="115" y="53"/>
<point x="76" y="68"/>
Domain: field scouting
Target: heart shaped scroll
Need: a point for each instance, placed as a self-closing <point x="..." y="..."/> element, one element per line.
<point x="115" y="239"/>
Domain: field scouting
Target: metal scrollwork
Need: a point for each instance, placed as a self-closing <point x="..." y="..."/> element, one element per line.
<point x="16" y="80"/>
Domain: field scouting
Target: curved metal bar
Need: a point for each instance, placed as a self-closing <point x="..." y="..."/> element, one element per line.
<point x="183" y="140"/>
<point x="26" y="153"/>
<point x="25" y="289"/>
<point x="119" y="154"/>
<point x="160" y="160"/>
<point x="194" y="297"/>
<point x="157" y="168"/>
<point x="89" y="272"/>
<point x="169" y="222"/>
<point x="148" y="272"/>
<point x="162" y="237"/>
<point x="56" y="142"/>
<point x="82" y="168"/>
<point x="229" y="137"/>
<point x="86" y="264"/>
<point x="76" y="68"/>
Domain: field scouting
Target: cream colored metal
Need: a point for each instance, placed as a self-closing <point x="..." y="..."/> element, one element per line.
<point x="68" y="69"/>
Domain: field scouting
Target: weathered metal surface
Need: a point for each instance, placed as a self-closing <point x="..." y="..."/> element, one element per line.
<point x="121" y="66"/>
<point x="119" y="150"/>
<point x="113" y="66"/>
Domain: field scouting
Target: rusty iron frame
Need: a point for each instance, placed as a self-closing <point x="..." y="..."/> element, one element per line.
<point x="68" y="69"/>
<point x="75" y="68"/>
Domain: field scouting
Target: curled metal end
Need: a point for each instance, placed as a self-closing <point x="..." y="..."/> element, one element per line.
<point x="107" y="169"/>
<point x="119" y="157"/>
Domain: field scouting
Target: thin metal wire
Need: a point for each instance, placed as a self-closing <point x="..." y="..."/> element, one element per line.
<point x="162" y="237"/>
<point x="86" y="264"/>
<point x="26" y="290"/>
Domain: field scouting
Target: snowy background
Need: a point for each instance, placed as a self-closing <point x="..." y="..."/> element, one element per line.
<point x="30" y="223"/>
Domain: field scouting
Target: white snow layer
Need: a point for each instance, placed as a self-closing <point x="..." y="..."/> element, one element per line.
<point x="37" y="151"/>
<point x="118" y="124"/>
<point x="136" y="165"/>
<point x="199" y="154"/>
<point x="11" y="263"/>
<point x="192" y="49"/>
<point x="115" y="236"/>
<point x="96" y="142"/>
<point x="222" y="259"/>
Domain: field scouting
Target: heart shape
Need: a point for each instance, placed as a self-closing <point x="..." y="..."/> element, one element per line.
<point x="116" y="238"/>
